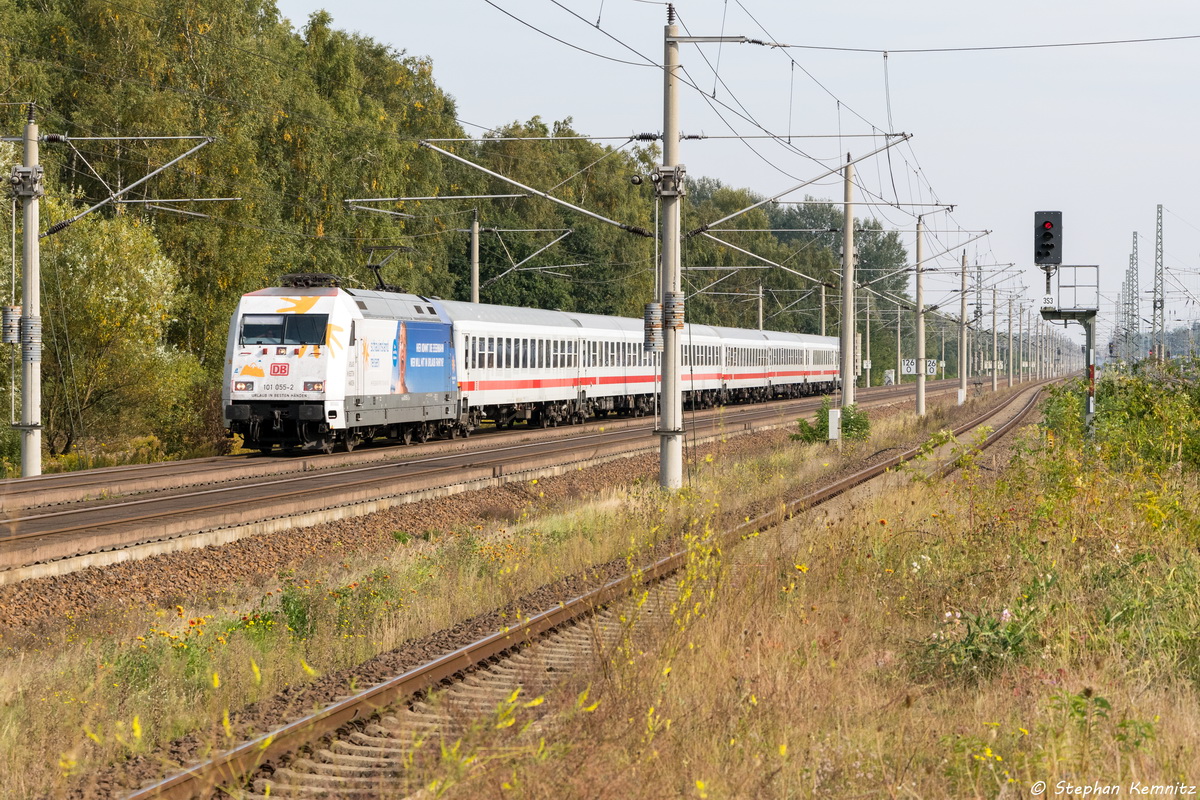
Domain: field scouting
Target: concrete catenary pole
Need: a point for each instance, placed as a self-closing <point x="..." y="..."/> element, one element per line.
<point x="1021" y="345"/>
<point x="962" y="335"/>
<point x="920" y="317"/>
<point x="1010" y="343"/>
<point x="995" y="346"/>
<point x="822" y="309"/>
<point x="28" y="186"/>
<point x="1158" y="318"/>
<point x="1041" y="350"/>
<point x="475" y="257"/>
<point x="867" y="342"/>
<point x="760" y="308"/>
<point x="847" y="329"/>
<point x="899" y="351"/>
<point x="671" y="446"/>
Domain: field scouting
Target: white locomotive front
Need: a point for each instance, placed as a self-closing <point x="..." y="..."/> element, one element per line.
<point x="311" y="367"/>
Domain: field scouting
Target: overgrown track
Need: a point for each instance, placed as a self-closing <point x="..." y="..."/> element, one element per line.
<point x="362" y="756"/>
<point x="262" y="494"/>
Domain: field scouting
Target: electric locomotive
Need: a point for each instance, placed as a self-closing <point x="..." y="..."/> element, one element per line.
<point x="309" y="367"/>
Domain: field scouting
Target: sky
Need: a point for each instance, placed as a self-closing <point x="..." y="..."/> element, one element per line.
<point x="1102" y="133"/>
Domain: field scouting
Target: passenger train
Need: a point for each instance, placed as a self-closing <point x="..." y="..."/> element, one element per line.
<point x="314" y="366"/>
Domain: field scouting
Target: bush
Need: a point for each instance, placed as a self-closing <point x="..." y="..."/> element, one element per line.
<point x="855" y="424"/>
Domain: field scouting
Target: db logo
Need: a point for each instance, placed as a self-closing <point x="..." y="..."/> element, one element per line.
<point x="279" y="370"/>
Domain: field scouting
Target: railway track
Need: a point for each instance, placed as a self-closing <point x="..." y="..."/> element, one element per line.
<point x="358" y="746"/>
<point x="162" y="509"/>
<point x="18" y="494"/>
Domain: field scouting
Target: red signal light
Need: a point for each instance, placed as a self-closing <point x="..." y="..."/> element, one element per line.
<point x="1048" y="225"/>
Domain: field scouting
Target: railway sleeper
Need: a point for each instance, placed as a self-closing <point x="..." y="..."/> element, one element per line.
<point x="545" y="664"/>
<point x="342" y="752"/>
<point x="389" y="744"/>
<point x="309" y="773"/>
<point x="353" y="748"/>
<point x="310" y="767"/>
<point x="282" y="791"/>
<point x="414" y="719"/>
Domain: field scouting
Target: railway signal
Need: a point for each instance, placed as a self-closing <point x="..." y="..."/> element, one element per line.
<point x="1047" y="237"/>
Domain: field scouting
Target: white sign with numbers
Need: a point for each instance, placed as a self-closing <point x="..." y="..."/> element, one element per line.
<point x="931" y="366"/>
<point x="908" y="366"/>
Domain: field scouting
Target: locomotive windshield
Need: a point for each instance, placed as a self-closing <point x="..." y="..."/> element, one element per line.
<point x="284" y="328"/>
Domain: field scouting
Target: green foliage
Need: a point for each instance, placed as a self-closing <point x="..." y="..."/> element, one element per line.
<point x="303" y="120"/>
<point x="109" y="296"/>
<point x="1150" y="416"/>
<point x="296" y="604"/>
<point x="973" y="647"/>
<point x="856" y="424"/>
<point x="986" y="644"/>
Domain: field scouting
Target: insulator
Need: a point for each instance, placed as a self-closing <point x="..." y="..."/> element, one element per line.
<point x="12" y="324"/>
<point x="31" y="339"/>
<point x="646" y="137"/>
<point x="654" y="333"/>
<point x="55" y="138"/>
<point x="673" y="310"/>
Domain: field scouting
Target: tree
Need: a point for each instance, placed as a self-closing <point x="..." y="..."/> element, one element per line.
<point x="108" y="298"/>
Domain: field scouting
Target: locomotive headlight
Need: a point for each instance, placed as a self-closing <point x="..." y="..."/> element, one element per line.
<point x="314" y="386"/>
<point x="243" y="386"/>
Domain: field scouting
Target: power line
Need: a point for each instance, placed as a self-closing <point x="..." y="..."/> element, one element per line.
<point x="989" y="47"/>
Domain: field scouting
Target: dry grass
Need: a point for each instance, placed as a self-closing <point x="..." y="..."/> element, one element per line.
<point x="102" y="688"/>
<point x="961" y="639"/>
<point x="94" y="690"/>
